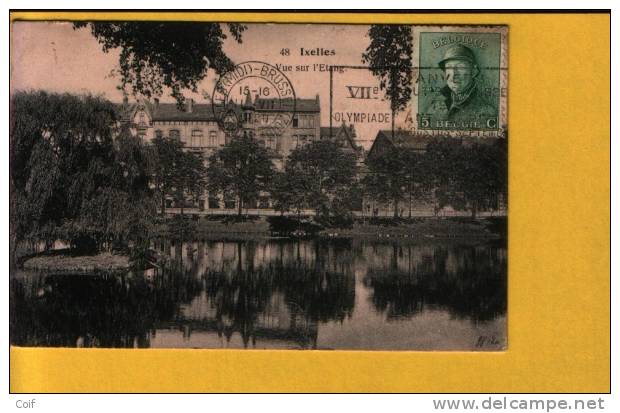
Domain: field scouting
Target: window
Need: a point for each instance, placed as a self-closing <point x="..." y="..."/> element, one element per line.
<point x="141" y="118"/>
<point x="214" y="202"/>
<point x="212" y="138"/>
<point x="174" y="134"/>
<point x="263" y="202"/>
<point x="303" y="121"/>
<point x="230" y="203"/>
<point x="307" y="121"/>
<point x="158" y="133"/>
<point x="185" y="140"/>
<point x="271" y="142"/>
<point x="196" y="138"/>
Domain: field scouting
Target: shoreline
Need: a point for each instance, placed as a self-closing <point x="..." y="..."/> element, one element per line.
<point x="419" y="229"/>
<point x="66" y="261"/>
<point x="427" y="231"/>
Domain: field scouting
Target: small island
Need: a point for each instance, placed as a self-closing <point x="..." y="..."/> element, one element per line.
<point x="65" y="261"/>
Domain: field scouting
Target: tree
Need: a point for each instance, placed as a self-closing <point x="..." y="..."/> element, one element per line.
<point x="51" y="138"/>
<point x="470" y="176"/>
<point x="442" y="161"/>
<point x="154" y="55"/>
<point x="288" y="192"/>
<point x="483" y="175"/>
<point x="388" y="177"/>
<point x="164" y="157"/>
<point x="415" y="176"/>
<point x="501" y="163"/>
<point x="190" y="179"/>
<point x="389" y="58"/>
<point x="242" y="168"/>
<point x="176" y="173"/>
<point x="67" y="167"/>
<point x="319" y="175"/>
<point x="121" y="210"/>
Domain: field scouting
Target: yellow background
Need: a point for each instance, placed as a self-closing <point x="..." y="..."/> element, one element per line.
<point x="559" y="247"/>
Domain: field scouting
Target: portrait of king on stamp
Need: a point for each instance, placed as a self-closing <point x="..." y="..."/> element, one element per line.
<point x="459" y="82"/>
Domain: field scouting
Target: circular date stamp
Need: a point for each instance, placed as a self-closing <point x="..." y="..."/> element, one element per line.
<point x="256" y="86"/>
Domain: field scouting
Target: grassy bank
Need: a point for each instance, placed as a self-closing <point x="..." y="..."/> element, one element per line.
<point x="64" y="261"/>
<point x="213" y="228"/>
<point x="415" y="228"/>
<point x="429" y="228"/>
<point x="461" y="230"/>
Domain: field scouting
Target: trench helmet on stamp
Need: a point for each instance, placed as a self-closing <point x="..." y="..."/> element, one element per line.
<point x="458" y="52"/>
<point x="461" y="82"/>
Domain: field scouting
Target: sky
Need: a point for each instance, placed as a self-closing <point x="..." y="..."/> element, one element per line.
<point x="55" y="57"/>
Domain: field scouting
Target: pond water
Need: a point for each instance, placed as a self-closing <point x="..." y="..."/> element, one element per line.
<point x="290" y="294"/>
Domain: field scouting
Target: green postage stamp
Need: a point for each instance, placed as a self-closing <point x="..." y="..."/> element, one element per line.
<point x="461" y="80"/>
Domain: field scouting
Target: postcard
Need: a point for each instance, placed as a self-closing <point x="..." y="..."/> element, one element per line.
<point x="259" y="186"/>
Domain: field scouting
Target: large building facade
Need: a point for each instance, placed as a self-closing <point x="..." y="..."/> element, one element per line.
<point x="198" y="128"/>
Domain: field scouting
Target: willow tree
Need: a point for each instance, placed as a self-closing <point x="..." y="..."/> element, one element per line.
<point x="74" y="175"/>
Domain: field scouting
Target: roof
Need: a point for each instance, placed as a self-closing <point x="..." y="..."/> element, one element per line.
<point x="325" y="131"/>
<point x="301" y="105"/>
<point x="402" y="138"/>
<point x="349" y="131"/>
<point x="204" y="111"/>
<point x="124" y="110"/>
<point x="170" y="111"/>
<point x="335" y="132"/>
<point x="406" y="139"/>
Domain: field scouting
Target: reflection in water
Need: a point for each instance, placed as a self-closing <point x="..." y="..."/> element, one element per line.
<point x="274" y="294"/>
<point x="103" y="310"/>
<point x="473" y="287"/>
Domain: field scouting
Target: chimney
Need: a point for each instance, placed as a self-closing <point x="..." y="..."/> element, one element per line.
<point x="190" y="105"/>
<point x="125" y="100"/>
<point x="317" y="98"/>
<point x="156" y="100"/>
